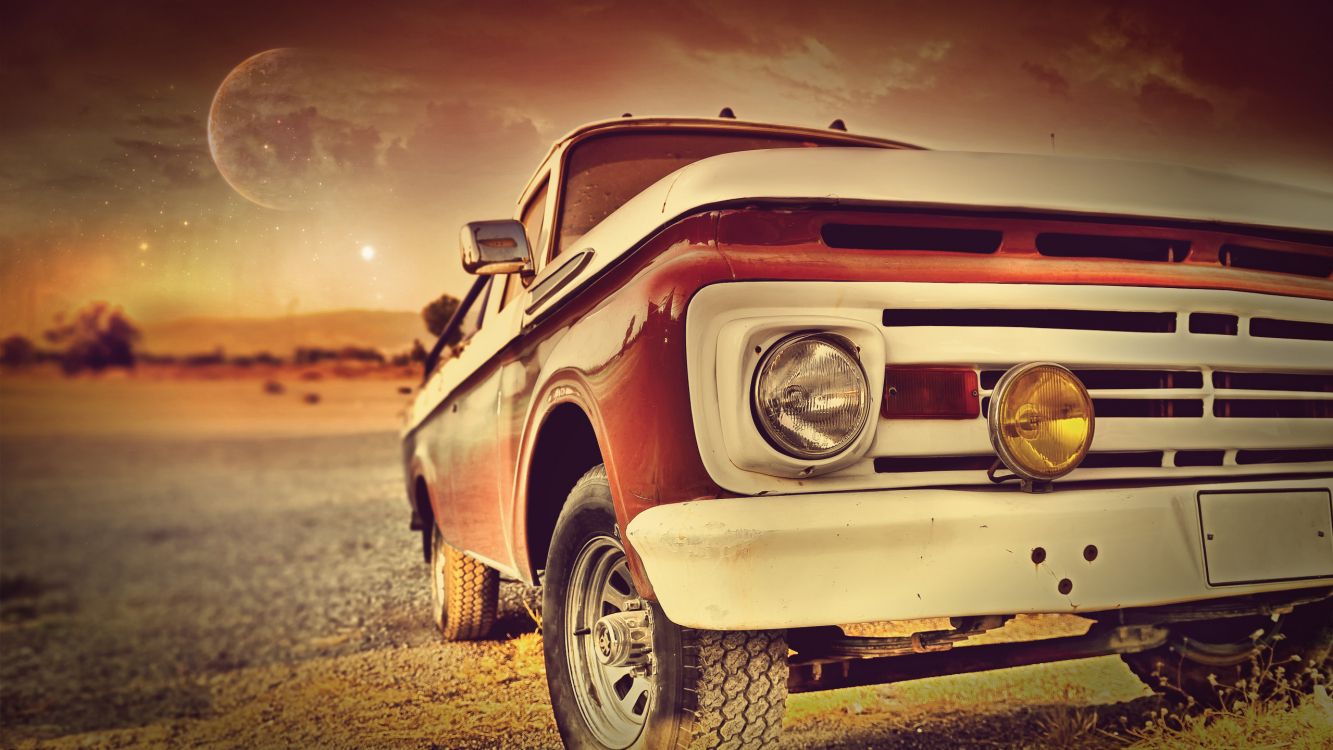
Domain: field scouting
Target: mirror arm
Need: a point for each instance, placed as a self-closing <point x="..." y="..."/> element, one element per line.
<point x="454" y="321"/>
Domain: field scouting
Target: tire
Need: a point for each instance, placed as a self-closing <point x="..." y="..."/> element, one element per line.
<point x="704" y="689"/>
<point x="464" y="593"/>
<point x="1300" y="648"/>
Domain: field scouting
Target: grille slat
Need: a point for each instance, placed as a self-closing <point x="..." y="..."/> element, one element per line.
<point x="1078" y="320"/>
<point x="1267" y="381"/>
<point x="1276" y="261"/>
<point x="1255" y="408"/>
<point x="1149" y="249"/>
<point x="1185" y="382"/>
<point x="1110" y="460"/>
<point x="937" y="239"/>
<point x="1270" y="328"/>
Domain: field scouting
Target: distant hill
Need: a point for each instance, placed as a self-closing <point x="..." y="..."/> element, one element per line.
<point x="390" y="332"/>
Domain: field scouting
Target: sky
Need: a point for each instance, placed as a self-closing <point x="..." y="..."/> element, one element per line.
<point x="359" y="136"/>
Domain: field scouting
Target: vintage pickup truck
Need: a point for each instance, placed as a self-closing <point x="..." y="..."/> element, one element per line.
<point x="722" y="387"/>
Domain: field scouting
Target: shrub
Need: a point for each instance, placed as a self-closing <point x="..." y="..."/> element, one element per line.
<point x="17" y="351"/>
<point x="98" y="337"/>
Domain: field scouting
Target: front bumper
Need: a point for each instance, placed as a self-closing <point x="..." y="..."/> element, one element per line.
<point x="823" y="559"/>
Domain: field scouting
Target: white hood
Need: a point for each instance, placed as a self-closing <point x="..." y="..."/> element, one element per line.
<point x="1108" y="187"/>
<point x="945" y="179"/>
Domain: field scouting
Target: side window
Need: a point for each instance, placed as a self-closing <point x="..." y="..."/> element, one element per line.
<point x="534" y="215"/>
<point x="472" y="319"/>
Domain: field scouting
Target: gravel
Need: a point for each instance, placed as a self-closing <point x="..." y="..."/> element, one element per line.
<point x="265" y="592"/>
<point x="133" y="569"/>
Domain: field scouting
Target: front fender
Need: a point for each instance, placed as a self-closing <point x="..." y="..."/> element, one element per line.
<point x="619" y="355"/>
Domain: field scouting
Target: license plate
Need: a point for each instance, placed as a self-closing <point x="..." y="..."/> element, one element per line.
<point x="1259" y="537"/>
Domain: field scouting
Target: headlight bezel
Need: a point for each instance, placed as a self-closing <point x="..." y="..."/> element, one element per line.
<point x="770" y="432"/>
<point x="1031" y="478"/>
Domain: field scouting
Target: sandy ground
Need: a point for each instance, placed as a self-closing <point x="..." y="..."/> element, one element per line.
<point x="203" y="565"/>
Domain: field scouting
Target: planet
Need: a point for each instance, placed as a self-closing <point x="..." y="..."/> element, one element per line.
<point x="286" y="132"/>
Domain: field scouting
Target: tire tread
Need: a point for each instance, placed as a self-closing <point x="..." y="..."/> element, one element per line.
<point x="472" y="591"/>
<point x="739" y="688"/>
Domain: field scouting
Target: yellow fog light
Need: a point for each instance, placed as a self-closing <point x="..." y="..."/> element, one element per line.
<point x="1040" y="421"/>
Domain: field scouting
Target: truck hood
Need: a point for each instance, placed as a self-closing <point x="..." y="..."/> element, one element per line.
<point x="943" y="179"/>
<point x="1008" y="182"/>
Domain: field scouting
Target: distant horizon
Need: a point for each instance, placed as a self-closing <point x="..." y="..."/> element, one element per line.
<point x="388" y="330"/>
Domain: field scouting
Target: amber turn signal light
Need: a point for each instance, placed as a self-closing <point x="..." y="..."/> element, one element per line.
<point x="930" y="393"/>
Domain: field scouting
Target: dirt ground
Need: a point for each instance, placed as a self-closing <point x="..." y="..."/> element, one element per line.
<point x="208" y="566"/>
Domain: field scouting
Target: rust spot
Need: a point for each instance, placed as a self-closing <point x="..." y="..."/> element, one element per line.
<point x="1038" y="555"/>
<point x="1065" y="586"/>
<point x="1090" y="552"/>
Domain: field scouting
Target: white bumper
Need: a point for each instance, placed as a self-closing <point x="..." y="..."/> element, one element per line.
<point x="822" y="559"/>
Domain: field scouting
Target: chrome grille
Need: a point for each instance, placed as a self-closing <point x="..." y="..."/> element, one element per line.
<point x="1184" y="382"/>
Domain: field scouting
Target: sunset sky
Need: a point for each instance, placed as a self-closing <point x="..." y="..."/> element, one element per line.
<point x="377" y="131"/>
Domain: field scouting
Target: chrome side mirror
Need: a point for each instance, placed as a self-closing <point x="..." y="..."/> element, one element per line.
<point x="492" y="247"/>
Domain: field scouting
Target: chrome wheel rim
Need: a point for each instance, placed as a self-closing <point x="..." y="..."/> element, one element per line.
<point x="614" y="700"/>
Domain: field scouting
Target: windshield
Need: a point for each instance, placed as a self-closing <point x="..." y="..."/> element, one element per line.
<point x="608" y="170"/>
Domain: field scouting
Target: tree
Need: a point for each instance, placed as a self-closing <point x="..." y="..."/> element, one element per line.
<point x="436" y="315"/>
<point x="97" y="338"/>
<point x="17" y="351"/>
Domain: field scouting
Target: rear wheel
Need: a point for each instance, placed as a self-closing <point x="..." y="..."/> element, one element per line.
<point x="621" y="674"/>
<point x="464" y="592"/>
<point x="1206" y="661"/>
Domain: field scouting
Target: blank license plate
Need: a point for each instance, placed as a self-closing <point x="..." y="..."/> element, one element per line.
<point x="1255" y="537"/>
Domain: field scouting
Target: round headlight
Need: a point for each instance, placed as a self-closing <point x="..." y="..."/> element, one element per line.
<point x="811" y="398"/>
<point x="1040" y="421"/>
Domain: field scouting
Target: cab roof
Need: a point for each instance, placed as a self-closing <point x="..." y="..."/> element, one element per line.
<point x="629" y="123"/>
<point x="722" y="123"/>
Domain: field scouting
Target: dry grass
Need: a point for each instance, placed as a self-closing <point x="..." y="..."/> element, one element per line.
<point x="1276" y="706"/>
<point x="1305" y="726"/>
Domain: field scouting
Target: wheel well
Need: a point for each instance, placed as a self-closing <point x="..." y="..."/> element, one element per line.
<point x="425" y="513"/>
<point x="566" y="448"/>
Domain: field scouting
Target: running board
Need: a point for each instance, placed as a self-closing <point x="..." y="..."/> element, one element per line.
<point x="823" y="674"/>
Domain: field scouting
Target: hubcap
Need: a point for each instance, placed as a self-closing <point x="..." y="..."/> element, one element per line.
<point x="608" y="641"/>
<point x="624" y="639"/>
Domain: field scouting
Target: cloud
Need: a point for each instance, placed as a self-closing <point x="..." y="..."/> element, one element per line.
<point x="1047" y="76"/>
<point x="1164" y="102"/>
<point x="460" y="148"/>
<point x="167" y="122"/>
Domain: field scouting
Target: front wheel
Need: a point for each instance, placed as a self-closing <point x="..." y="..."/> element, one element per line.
<point x="621" y="674"/>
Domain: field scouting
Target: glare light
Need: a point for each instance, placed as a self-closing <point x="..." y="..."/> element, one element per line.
<point x="1041" y="421"/>
<point x="367" y="252"/>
